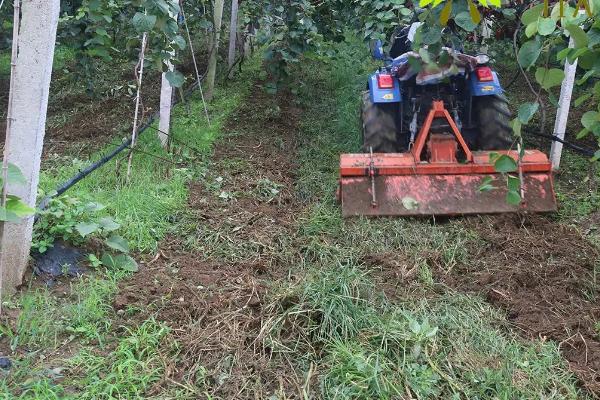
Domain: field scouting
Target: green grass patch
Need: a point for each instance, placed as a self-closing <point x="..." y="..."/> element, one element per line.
<point x="128" y="371"/>
<point x="62" y="56"/>
<point x="157" y="192"/>
<point x="148" y="208"/>
<point x="429" y="342"/>
<point x="440" y="346"/>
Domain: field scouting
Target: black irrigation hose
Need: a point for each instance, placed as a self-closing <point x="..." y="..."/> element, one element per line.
<point x="94" y="166"/>
<point x="585" y="151"/>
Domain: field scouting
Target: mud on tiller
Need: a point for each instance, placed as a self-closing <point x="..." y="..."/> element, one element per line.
<point x="408" y="184"/>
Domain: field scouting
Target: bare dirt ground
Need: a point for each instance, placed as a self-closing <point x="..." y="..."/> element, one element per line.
<point x="544" y="275"/>
<point x="215" y="305"/>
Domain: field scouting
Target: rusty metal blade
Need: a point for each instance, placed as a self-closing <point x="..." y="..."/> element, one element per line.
<point x="441" y="195"/>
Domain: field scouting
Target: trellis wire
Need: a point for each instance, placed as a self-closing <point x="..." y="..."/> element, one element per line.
<point x="195" y="63"/>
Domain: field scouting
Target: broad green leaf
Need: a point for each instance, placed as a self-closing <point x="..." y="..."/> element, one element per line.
<point x="18" y="207"/>
<point x="143" y="23"/>
<point x="546" y="26"/>
<point x="463" y="19"/>
<point x="431" y="35"/>
<point x="424" y="3"/>
<point x="175" y="78"/>
<point x="118" y="243"/>
<point x="531" y="15"/>
<point x="578" y="35"/>
<point x="474" y="12"/>
<point x="529" y="53"/>
<point x="516" y="126"/>
<point x="505" y="164"/>
<point x="549" y="78"/>
<point x="589" y="119"/>
<point x="121" y="262"/>
<point x="513" y="183"/>
<point x="180" y="42"/>
<point x="108" y="224"/>
<point x="86" y="228"/>
<point x="496" y="3"/>
<point x="15" y="176"/>
<point x="527" y="111"/>
<point x="531" y="29"/>
<point x="94" y="207"/>
<point x="7" y="216"/>
<point x="445" y="14"/>
<point x="564" y="53"/>
<point x="513" y="198"/>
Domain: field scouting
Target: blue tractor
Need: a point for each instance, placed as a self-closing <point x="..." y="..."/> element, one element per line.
<point x="399" y="97"/>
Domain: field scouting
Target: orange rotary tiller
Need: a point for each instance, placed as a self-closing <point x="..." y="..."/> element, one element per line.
<point x="440" y="175"/>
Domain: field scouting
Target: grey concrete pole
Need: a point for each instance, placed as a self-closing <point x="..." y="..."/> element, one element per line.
<point x="166" y="97"/>
<point x="216" y="38"/>
<point x="33" y="71"/>
<point x="232" y="33"/>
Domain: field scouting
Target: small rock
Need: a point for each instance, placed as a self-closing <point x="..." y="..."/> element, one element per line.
<point x="5" y="363"/>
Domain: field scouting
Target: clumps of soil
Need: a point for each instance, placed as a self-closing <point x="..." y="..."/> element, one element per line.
<point x="215" y="302"/>
<point x="544" y="275"/>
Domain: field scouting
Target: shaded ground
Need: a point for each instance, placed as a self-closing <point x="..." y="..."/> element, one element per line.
<point x="79" y="122"/>
<point x="544" y="275"/>
<point x="214" y="302"/>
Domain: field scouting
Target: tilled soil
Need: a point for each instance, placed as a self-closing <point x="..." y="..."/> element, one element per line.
<point x="544" y="275"/>
<point x="85" y="121"/>
<point x="215" y="305"/>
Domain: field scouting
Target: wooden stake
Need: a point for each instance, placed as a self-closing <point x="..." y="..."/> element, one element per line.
<point x="140" y="75"/>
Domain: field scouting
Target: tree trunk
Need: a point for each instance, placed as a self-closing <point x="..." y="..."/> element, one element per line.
<point x="29" y="104"/>
<point x="214" y="49"/>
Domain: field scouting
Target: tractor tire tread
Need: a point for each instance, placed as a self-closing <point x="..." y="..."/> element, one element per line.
<point x="493" y="120"/>
<point x="379" y="129"/>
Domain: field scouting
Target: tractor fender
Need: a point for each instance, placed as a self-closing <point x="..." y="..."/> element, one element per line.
<point x="379" y="95"/>
<point x="485" y="88"/>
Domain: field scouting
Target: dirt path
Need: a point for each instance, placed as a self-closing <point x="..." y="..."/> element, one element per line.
<point x="209" y="287"/>
<point x="544" y="275"/>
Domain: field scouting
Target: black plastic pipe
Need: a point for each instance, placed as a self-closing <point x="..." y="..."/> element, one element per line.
<point x="61" y="189"/>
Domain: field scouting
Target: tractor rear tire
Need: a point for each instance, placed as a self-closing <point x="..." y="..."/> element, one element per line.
<point x="493" y="120"/>
<point x="378" y="126"/>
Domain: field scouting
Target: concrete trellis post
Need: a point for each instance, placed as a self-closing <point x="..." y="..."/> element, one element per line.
<point x="214" y="48"/>
<point x="564" y="105"/>
<point x="166" y="102"/>
<point x="33" y="71"/>
<point x="166" y="97"/>
<point x="562" y="114"/>
<point x="233" y="33"/>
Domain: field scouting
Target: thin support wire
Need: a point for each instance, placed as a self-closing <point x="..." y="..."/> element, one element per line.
<point x="140" y="75"/>
<point x="198" y="80"/>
